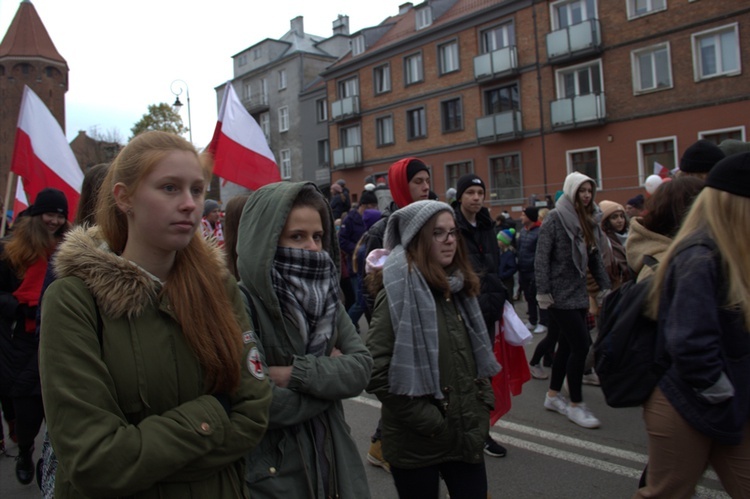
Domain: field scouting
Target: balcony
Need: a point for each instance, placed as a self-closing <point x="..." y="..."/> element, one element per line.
<point x="348" y="107"/>
<point x="347" y="157"/>
<point x="578" y="40"/>
<point x="499" y="127"/>
<point x="581" y="110"/>
<point x="256" y="104"/>
<point x="496" y="64"/>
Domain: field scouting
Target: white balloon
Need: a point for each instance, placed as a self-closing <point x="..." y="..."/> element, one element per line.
<point x="652" y="183"/>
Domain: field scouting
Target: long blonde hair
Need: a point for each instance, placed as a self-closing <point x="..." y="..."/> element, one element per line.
<point x="726" y="218"/>
<point x="195" y="285"/>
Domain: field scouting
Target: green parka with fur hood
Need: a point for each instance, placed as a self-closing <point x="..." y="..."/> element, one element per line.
<point x="127" y="409"/>
<point x="285" y="464"/>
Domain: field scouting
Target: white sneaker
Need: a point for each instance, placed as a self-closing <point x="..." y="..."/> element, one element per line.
<point x="539" y="329"/>
<point x="591" y="379"/>
<point x="529" y="325"/>
<point x="538" y="372"/>
<point x="557" y="403"/>
<point x="581" y="415"/>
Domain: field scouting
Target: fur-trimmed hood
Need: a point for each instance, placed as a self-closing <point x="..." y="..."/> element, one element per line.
<point x="120" y="287"/>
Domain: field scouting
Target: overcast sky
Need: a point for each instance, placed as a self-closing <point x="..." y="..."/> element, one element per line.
<point x="123" y="56"/>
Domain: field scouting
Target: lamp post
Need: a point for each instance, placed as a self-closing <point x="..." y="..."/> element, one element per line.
<point x="182" y="86"/>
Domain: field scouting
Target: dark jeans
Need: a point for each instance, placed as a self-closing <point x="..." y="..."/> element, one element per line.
<point x="29" y="417"/>
<point x="463" y="480"/>
<point x="527" y="283"/>
<point x="573" y="346"/>
<point x="356" y="310"/>
<point x="545" y="349"/>
<point x="9" y="413"/>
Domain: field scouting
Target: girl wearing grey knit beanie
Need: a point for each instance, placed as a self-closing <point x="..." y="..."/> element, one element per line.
<point x="432" y="354"/>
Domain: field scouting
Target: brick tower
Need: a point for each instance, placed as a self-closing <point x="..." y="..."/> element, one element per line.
<point x="27" y="57"/>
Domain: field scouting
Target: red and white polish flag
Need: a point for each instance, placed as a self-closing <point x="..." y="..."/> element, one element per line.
<point x="20" y="203"/>
<point x="42" y="156"/>
<point x="239" y="147"/>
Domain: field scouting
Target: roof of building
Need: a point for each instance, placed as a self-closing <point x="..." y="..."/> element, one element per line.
<point x="27" y="36"/>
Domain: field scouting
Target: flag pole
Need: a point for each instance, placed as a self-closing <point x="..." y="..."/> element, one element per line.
<point x="8" y="190"/>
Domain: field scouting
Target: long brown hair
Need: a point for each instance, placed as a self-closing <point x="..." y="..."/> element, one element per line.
<point x="418" y="254"/>
<point x="669" y="204"/>
<point x="31" y="240"/>
<point x="195" y="285"/>
<point x="586" y="215"/>
<point x="92" y="182"/>
<point x="232" y="215"/>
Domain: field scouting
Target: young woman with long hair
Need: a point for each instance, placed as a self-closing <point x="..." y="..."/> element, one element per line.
<point x="289" y="262"/>
<point x="23" y="265"/>
<point x="232" y="215"/>
<point x="433" y="358"/>
<point x="570" y="243"/>
<point x="150" y="384"/>
<point x="699" y="413"/>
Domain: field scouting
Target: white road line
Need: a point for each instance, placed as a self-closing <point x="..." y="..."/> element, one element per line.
<point x="570" y="456"/>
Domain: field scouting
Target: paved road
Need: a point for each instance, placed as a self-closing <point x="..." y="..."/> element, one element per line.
<point x="548" y="456"/>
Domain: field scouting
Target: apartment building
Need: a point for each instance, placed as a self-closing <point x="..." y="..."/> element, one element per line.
<point x="522" y="92"/>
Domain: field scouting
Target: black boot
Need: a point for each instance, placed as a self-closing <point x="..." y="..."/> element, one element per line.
<point x="25" y="466"/>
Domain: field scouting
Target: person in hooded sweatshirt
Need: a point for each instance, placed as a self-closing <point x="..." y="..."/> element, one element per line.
<point x="570" y="242"/>
<point x="288" y="259"/>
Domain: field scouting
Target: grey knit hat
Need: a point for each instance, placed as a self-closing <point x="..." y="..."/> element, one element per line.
<point x="405" y="223"/>
<point x="209" y="206"/>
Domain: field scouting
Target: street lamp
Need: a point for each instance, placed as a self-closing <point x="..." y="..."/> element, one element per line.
<point x="182" y="86"/>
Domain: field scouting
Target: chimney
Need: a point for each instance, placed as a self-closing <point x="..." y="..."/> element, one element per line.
<point x="404" y="8"/>
<point x="341" y="25"/>
<point x="298" y="25"/>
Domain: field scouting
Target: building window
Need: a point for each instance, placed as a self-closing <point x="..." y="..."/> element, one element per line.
<point x="501" y="99"/>
<point x="257" y="53"/>
<point x="652" y="69"/>
<point x="416" y="123"/>
<point x="454" y="171"/>
<point x="580" y="80"/>
<point x="350" y="136"/>
<point x="358" y="45"/>
<point x="283" y="119"/>
<point x="265" y="125"/>
<point x="384" y="128"/>
<point x="569" y="12"/>
<point x="263" y="91"/>
<point x="282" y="79"/>
<point x="638" y="8"/>
<point x="719" y="136"/>
<point x="505" y="178"/>
<point x="586" y="161"/>
<point x="323" y="155"/>
<point x="716" y="52"/>
<point x="413" y="69"/>
<point x="382" y="79"/>
<point x="424" y="17"/>
<point x="242" y="60"/>
<point x="654" y="154"/>
<point x="286" y="164"/>
<point x="321" y="110"/>
<point x="452" y="115"/>
<point x="498" y="37"/>
<point x="247" y="90"/>
<point x="348" y="88"/>
<point x="448" y="56"/>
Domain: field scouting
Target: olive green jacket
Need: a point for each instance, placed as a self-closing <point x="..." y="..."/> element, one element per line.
<point x="285" y="464"/>
<point x="126" y="407"/>
<point x="423" y="431"/>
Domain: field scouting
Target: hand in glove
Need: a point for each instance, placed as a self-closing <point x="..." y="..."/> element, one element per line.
<point x="544" y="301"/>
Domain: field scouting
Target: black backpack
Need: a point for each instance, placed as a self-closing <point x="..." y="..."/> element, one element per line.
<point x="625" y="348"/>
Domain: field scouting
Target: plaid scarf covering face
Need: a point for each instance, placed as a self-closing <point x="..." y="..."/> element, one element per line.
<point x="306" y="283"/>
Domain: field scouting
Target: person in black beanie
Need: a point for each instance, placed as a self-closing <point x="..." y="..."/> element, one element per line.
<point x="477" y="231"/>
<point x="699" y="158"/>
<point x="634" y="206"/>
<point x="527" y="240"/>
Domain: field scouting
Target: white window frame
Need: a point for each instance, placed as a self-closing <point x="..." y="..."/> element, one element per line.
<point x="284" y="119"/>
<point x="321" y="110"/>
<point x="413" y="63"/>
<point x="247" y="90"/>
<point x="381" y="74"/>
<point x="264" y="91"/>
<point x="651" y="8"/>
<point x="507" y="32"/>
<point x="358" y="45"/>
<point x="285" y="164"/>
<point x="242" y="60"/>
<point x="423" y="17"/>
<point x="422" y="123"/>
<point x="569" y="162"/>
<point x="282" y="79"/>
<point x="560" y="77"/>
<point x="741" y="128"/>
<point x="555" y="19"/>
<point x="384" y="139"/>
<point x="448" y="57"/>
<point x="348" y="87"/>
<point x="325" y="161"/>
<point x="265" y="125"/>
<point x="639" y="154"/>
<point x="635" y="56"/>
<point x="350" y="136"/>
<point x="697" y="60"/>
